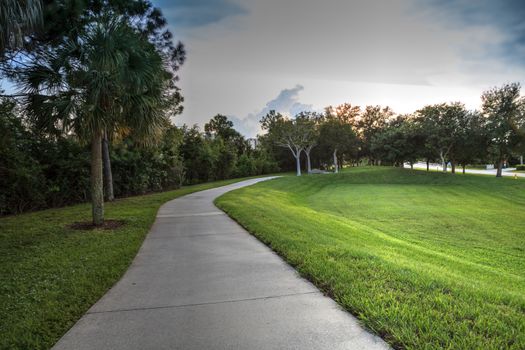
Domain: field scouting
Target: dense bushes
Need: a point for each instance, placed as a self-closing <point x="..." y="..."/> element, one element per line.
<point x="39" y="171"/>
<point x="520" y="167"/>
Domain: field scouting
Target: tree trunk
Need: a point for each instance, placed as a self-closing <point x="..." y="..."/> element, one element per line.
<point x="428" y="165"/>
<point x="308" y="164"/>
<point x="298" y="162"/>
<point x="108" y="175"/>
<point x="500" y="168"/>
<point x="464" y="166"/>
<point x="443" y="162"/>
<point x="411" y="166"/>
<point x="298" y="165"/>
<point x="97" y="190"/>
<point x="453" y="167"/>
<point x="336" y="170"/>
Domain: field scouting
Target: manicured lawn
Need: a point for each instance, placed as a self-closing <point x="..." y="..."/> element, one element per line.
<point x="425" y="260"/>
<point x="51" y="274"/>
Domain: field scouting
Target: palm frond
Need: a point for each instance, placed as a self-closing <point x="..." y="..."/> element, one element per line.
<point x="109" y="78"/>
<point x="17" y="19"/>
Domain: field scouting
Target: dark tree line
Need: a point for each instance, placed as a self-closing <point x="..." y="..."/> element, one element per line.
<point x="92" y="117"/>
<point x="39" y="171"/>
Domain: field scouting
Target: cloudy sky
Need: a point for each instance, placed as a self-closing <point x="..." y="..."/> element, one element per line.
<point x="246" y="57"/>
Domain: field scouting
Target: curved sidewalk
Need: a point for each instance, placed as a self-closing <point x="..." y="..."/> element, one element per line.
<point x="200" y="281"/>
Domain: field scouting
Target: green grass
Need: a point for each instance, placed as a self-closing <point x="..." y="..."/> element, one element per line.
<point x="425" y="260"/>
<point x="50" y="274"/>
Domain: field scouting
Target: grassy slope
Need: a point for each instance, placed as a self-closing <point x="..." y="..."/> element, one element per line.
<point x="50" y="274"/>
<point x="426" y="260"/>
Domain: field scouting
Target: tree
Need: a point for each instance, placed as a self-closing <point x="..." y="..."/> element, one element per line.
<point x="220" y="126"/>
<point x="18" y="18"/>
<point x="280" y="155"/>
<point x="503" y="108"/>
<point x="472" y="141"/>
<point x="425" y="129"/>
<point x="398" y="142"/>
<point x="414" y="139"/>
<point x="65" y="19"/>
<point x="309" y="121"/>
<point x="346" y="113"/>
<point x="372" y="121"/>
<point x="292" y="134"/>
<point x="336" y="135"/>
<point x="109" y="77"/>
<point x="108" y="174"/>
<point x="224" y="158"/>
<point x="197" y="155"/>
<point x="441" y="122"/>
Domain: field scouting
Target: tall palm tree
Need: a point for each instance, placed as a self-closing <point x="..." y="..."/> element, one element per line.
<point x="109" y="78"/>
<point x="17" y="19"/>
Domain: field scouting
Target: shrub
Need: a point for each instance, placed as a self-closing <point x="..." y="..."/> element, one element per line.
<point x="39" y="171"/>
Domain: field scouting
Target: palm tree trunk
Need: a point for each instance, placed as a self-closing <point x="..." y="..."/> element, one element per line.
<point x="97" y="190"/>
<point x="108" y="175"/>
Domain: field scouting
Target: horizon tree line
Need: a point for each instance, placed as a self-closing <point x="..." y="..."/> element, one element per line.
<point x="446" y="132"/>
<point x="105" y="72"/>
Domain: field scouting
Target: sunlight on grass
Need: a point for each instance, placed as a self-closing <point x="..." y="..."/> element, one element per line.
<point x="426" y="260"/>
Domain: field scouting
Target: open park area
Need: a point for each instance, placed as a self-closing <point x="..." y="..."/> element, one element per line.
<point x="426" y="260"/>
<point x="262" y="175"/>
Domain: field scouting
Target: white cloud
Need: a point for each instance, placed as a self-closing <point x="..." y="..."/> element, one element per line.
<point x="287" y="102"/>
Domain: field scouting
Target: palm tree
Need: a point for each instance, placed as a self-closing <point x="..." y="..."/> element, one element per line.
<point x="17" y="19"/>
<point x="111" y="79"/>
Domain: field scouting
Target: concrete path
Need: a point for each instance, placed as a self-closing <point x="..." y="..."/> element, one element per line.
<point x="200" y="281"/>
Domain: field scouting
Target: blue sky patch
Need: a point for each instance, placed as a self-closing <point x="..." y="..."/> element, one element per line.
<point x="196" y="13"/>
